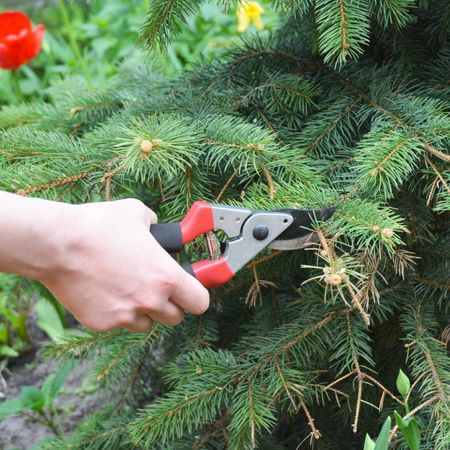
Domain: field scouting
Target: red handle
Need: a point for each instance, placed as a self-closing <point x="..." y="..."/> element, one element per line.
<point x="212" y="274"/>
<point x="198" y="220"/>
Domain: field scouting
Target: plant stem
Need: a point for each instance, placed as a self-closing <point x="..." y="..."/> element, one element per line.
<point x="16" y="85"/>
<point x="48" y="421"/>
<point x="68" y="27"/>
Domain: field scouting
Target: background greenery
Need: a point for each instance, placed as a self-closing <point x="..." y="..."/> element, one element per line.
<point x="106" y="32"/>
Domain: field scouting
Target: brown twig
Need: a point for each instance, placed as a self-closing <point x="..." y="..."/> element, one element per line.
<point x="252" y="415"/>
<point x="377" y="168"/>
<point x="434" y="374"/>
<point x="266" y="258"/>
<point x="269" y="182"/>
<point x="436" y="152"/>
<point x="357" y="303"/>
<point x="323" y="241"/>
<point x="384" y="389"/>
<point x="315" y="433"/>
<point x="53" y="184"/>
<point x="358" y="404"/>
<point x="219" y="196"/>
<point x="285" y="386"/>
<point x="339" y="380"/>
<point x="345" y="44"/>
<point x="106" y="181"/>
<point x="438" y="174"/>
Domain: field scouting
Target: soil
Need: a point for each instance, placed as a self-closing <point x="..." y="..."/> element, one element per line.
<point x="75" y="400"/>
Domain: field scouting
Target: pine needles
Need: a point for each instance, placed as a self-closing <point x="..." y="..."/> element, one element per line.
<point x="283" y="121"/>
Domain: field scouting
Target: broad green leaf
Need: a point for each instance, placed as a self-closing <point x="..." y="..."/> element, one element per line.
<point x="383" y="438"/>
<point x="403" y="384"/>
<point x="368" y="443"/>
<point x="410" y="430"/>
<point x="3" y="334"/>
<point x="32" y="398"/>
<point x="10" y="407"/>
<point x="49" y="320"/>
<point x="53" y="383"/>
<point x="6" y="350"/>
<point x="20" y="326"/>
<point x="401" y="422"/>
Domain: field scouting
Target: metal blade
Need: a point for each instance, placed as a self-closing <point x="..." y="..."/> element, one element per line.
<point x="294" y="244"/>
<point x="303" y="221"/>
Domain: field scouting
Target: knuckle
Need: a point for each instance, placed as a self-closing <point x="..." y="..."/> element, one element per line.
<point x="142" y="209"/>
<point x="167" y="281"/>
<point x="123" y="320"/>
<point x="152" y="304"/>
<point x="134" y="203"/>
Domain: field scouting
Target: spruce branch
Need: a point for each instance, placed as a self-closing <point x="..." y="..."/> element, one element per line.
<point x="343" y="27"/>
<point x="163" y="21"/>
<point x="315" y="433"/>
<point x="53" y="184"/>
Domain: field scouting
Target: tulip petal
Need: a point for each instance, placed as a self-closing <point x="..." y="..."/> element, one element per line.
<point x="5" y="57"/>
<point x="38" y="34"/>
<point x="12" y="23"/>
<point x="21" y="48"/>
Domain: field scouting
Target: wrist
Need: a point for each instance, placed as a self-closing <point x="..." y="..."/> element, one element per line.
<point x="56" y="235"/>
<point x="34" y="234"/>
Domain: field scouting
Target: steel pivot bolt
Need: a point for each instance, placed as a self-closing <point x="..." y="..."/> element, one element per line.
<point x="260" y="232"/>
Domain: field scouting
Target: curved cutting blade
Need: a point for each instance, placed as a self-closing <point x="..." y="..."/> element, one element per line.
<point x="296" y="243"/>
<point x="299" y="235"/>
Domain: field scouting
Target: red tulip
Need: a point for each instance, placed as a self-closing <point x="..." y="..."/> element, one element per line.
<point x="19" y="43"/>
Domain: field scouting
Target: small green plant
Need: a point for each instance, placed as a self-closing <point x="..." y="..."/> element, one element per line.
<point x="39" y="403"/>
<point x="14" y="337"/>
<point x="17" y="296"/>
<point x="407" y="425"/>
<point x="382" y="441"/>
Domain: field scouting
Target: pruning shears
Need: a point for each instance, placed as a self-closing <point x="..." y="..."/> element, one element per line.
<point x="248" y="233"/>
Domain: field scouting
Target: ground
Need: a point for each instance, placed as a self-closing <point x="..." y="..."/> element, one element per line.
<point x="74" y="402"/>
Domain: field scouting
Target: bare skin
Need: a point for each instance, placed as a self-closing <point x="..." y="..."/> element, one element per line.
<point x="99" y="260"/>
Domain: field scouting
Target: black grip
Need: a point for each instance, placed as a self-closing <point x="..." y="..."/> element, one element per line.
<point x="188" y="268"/>
<point x="168" y="236"/>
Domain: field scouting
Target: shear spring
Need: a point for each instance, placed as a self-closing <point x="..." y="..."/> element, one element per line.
<point x="212" y="245"/>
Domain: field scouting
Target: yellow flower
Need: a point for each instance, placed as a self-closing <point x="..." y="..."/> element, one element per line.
<point x="249" y="12"/>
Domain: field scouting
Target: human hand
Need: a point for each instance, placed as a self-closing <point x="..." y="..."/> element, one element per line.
<point x="114" y="273"/>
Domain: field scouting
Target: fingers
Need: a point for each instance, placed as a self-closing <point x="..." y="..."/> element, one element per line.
<point x="151" y="215"/>
<point x="190" y="294"/>
<point x="141" y="324"/>
<point x="139" y="208"/>
<point x="169" y="314"/>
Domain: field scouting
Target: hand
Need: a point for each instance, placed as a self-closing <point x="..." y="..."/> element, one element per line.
<point x="115" y="274"/>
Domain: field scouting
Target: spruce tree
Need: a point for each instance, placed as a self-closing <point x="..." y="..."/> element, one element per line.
<point x="346" y="104"/>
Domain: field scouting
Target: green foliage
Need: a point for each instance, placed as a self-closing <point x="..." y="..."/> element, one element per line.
<point x="39" y="403"/>
<point x="299" y="345"/>
<point x="410" y="430"/>
<point x="343" y="28"/>
<point x="13" y="314"/>
<point x="382" y="441"/>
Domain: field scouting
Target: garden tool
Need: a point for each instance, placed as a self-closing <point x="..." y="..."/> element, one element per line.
<point x="248" y="233"/>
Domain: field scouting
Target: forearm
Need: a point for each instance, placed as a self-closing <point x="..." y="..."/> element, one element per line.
<point x="31" y="234"/>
